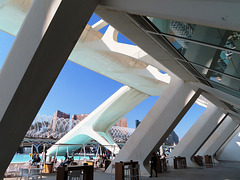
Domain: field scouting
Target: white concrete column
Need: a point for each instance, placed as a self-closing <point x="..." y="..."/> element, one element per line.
<point x="218" y="138"/>
<point x="230" y="150"/>
<point x="158" y="124"/>
<point x="38" y="54"/>
<point x="198" y="134"/>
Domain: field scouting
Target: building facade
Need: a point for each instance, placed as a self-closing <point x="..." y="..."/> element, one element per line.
<point x="61" y="114"/>
<point x="79" y="117"/>
<point x="121" y="123"/>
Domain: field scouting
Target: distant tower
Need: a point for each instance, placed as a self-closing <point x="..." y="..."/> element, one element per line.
<point x="61" y="114"/>
<point x="122" y="122"/>
<point x="137" y="122"/>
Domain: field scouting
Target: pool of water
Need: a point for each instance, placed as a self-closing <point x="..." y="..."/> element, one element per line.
<point x="26" y="158"/>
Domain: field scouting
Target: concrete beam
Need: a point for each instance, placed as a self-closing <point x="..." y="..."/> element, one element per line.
<point x="198" y="134"/>
<point x="38" y="54"/>
<point x="225" y="14"/>
<point x="229" y="151"/>
<point x="218" y="94"/>
<point x="162" y="55"/>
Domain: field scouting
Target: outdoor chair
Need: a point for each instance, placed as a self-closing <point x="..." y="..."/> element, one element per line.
<point x="136" y="172"/>
<point x="23" y="173"/>
<point x="35" y="173"/>
<point x="127" y="172"/>
<point x="12" y="170"/>
<point x="132" y="173"/>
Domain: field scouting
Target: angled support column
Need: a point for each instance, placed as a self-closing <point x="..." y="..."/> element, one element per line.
<point x="218" y="138"/>
<point x="158" y="124"/>
<point x="229" y="151"/>
<point x="38" y="54"/>
<point x="198" y="134"/>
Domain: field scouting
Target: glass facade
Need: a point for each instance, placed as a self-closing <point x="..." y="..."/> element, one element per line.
<point x="213" y="52"/>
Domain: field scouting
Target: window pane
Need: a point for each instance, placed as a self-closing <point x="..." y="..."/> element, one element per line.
<point x="215" y="36"/>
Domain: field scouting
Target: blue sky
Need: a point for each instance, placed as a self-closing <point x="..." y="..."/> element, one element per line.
<point x="79" y="90"/>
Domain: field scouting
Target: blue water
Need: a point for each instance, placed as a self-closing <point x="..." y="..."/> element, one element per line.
<point x="26" y="158"/>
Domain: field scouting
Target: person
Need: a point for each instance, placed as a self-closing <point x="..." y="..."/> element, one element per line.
<point x="66" y="155"/>
<point x="108" y="154"/>
<point x="163" y="155"/>
<point x="73" y="152"/>
<point x="66" y="162"/>
<point x="154" y="164"/>
<point x="36" y="158"/>
<point x="54" y="160"/>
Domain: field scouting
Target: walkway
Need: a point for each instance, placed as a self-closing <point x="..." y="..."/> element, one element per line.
<point x="225" y="171"/>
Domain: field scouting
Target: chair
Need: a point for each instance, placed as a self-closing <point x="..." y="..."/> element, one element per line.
<point x="112" y="167"/>
<point x="12" y="170"/>
<point x="23" y="173"/>
<point x="133" y="172"/>
<point x="35" y="173"/>
<point x="127" y="170"/>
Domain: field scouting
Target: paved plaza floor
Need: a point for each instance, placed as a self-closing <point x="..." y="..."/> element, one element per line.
<point x="223" y="171"/>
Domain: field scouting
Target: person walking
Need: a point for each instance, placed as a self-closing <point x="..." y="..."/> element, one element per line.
<point x="154" y="164"/>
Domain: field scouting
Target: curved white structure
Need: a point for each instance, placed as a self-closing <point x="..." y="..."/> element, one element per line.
<point x="122" y="65"/>
<point x="97" y="124"/>
<point x="48" y="32"/>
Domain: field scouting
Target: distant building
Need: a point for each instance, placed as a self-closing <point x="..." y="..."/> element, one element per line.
<point x="58" y="114"/>
<point x="61" y="114"/>
<point x="172" y="139"/>
<point x="137" y="122"/>
<point x="122" y="122"/>
<point x="79" y="117"/>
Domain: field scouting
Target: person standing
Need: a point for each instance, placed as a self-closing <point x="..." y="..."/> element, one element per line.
<point x="66" y="156"/>
<point x="73" y="153"/>
<point x="154" y="164"/>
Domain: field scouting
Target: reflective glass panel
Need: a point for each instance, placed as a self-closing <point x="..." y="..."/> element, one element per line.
<point x="215" y="59"/>
<point x="225" y="89"/>
<point x="215" y="36"/>
<point x="237" y="109"/>
<point x="226" y="82"/>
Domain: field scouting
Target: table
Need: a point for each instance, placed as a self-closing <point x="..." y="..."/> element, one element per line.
<point x="30" y="172"/>
<point x="208" y="161"/>
<point x="179" y="162"/>
<point x="62" y="172"/>
<point x="90" y="163"/>
<point x="120" y="173"/>
<point x="48" y="168"/>
<point x="161" y="165"/>
<point x="198" y="160"/>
